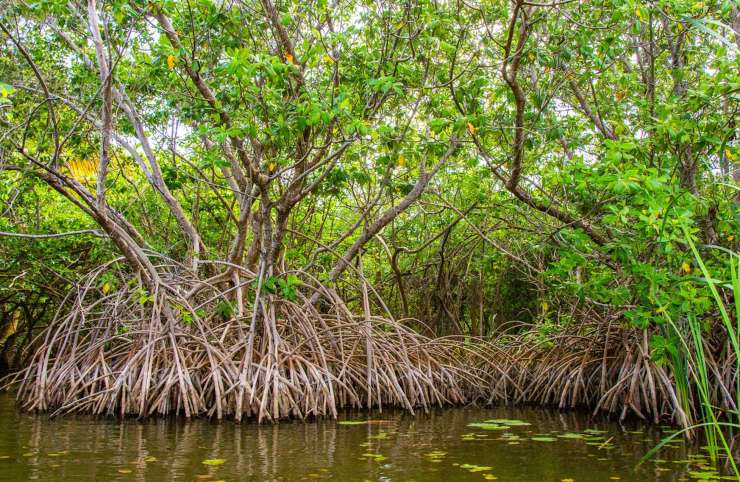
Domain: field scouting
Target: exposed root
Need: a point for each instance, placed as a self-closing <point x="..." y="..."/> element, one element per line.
<point x="202" y="350"/>
<point x="608" y="367"/>
<point x="130" y="352"/>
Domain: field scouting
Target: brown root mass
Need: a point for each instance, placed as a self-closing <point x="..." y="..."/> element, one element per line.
<point x="129" y="352"/>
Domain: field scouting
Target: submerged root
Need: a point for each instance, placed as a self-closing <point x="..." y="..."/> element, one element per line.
<point x="131" y="352"/>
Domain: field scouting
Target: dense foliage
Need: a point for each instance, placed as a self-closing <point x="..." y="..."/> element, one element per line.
<point x="521" y="171"/>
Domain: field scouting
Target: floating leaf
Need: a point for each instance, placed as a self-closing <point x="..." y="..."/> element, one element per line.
<point x="571" y="435"/>
<point x="214" y="462"/>
<point x="352" y="422"/>
<point x="543" y="439"/>
<point x="475" y="468"/>
<point x="509" y="422"/>
<point x="488" y="426"/>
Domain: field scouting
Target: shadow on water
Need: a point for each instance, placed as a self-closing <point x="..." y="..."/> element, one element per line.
<point x="508" y="444"/>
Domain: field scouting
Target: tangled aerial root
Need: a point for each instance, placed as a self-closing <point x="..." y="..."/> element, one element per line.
<point x="130" y="352"/>
<point x="607" y="366"/>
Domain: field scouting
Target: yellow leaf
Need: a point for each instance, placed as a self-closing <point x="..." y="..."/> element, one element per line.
<point x="728" y="153"/>
<point x="686" y="267"/>
<point x="106" y="287"/>
<point x="401" y="160"/>
<point x="530" y="56"/>
<point x="730" y="237"/>
<point x="545" y="307"/>
<point x="328" y="59"/>
<point x="289" y="58"/>
<point x="171" y="59"/>
<point x="271" y="166"/>
<point x="471" y="128"/>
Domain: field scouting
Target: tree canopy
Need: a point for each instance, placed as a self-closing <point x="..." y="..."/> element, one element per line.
<point x="529" y="174"/>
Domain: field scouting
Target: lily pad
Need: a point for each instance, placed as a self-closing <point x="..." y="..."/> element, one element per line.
<point x="509" y="422"/>
<point x="214" y="462"/>
<point x="475" y="468"/>
<point x="571" y="435"/>
<point x="488" y="426"/>
<point x="543" y="439"/>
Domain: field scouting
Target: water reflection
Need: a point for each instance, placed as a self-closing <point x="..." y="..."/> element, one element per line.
<point x="392" y="446"/>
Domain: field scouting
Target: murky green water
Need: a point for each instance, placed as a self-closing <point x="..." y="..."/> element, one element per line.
<point x="440" y="446"/>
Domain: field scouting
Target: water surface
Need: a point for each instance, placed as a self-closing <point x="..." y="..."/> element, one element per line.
<point x="523" y="444"/>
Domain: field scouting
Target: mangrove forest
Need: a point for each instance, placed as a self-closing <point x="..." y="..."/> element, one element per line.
<point x="381" y="218"/>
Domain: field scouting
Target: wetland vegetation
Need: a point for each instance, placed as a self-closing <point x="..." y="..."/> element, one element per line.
<point x="272" y="210"/>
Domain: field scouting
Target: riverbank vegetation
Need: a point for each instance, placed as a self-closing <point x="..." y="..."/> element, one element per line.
<point x="272" y="209"/>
